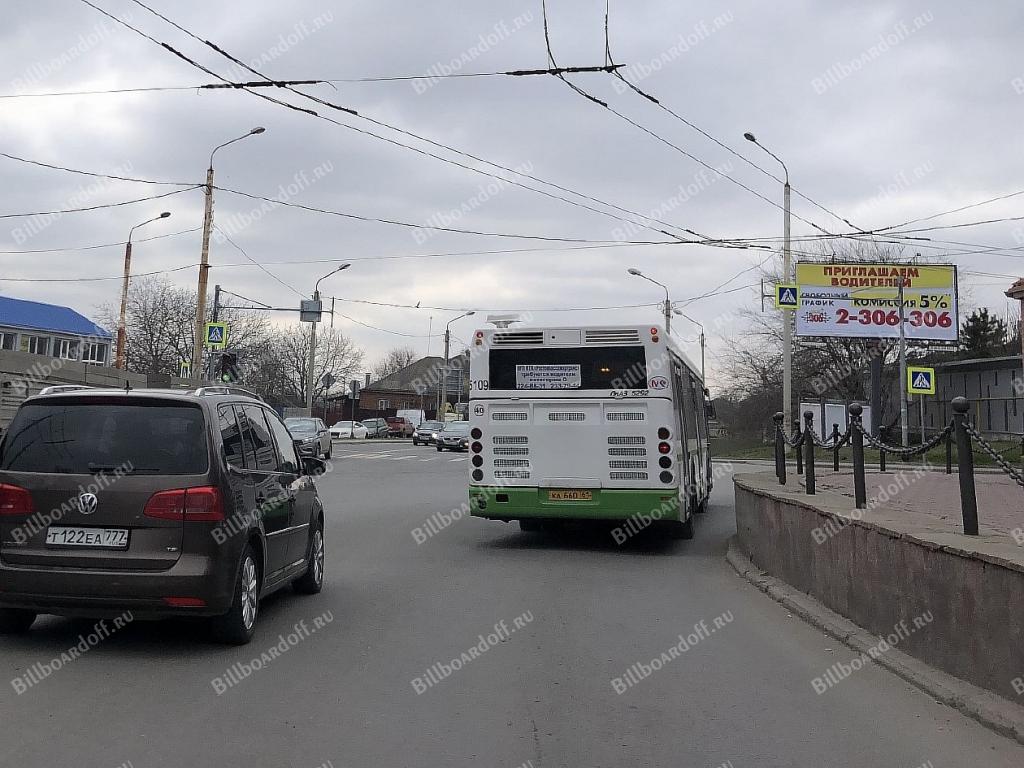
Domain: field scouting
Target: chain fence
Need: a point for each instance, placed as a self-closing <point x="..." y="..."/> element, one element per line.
<point x="958" y="430"/>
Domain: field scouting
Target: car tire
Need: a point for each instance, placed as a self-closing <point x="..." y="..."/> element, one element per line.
<point x="440" y="448"/>
<point x="15" y="621"/>
<point x="312" y="581"/>
<point x="415" y="441"/>
<point x="531" y="526"/>
<point x="330" y="452"/>
<point x="238" y="625"/>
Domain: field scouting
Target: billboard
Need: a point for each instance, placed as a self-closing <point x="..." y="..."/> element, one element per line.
<point x="862" y="301"/>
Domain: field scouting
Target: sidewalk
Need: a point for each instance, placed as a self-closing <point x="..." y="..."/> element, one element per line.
<point x="930" y="499"/>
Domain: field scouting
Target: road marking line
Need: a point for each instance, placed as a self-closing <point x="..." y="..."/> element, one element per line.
<point x="399" y="458"/>
<point x="462" y="459"/>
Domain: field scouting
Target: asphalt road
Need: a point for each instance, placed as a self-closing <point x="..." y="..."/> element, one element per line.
<point x="543" y="692"/>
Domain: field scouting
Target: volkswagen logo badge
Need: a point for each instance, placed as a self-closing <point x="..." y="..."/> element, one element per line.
<point x="87" y="503"/>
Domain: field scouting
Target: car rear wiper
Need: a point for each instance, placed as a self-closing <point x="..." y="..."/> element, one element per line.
<point x="125" y="468"/>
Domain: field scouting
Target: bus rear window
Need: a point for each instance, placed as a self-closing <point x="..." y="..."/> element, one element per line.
<point x="568" y="368"/>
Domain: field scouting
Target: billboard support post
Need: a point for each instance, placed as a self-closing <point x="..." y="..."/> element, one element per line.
<point x="904" y="419"/>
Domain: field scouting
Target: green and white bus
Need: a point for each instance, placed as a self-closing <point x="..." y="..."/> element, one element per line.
<point x="587" y="423"/>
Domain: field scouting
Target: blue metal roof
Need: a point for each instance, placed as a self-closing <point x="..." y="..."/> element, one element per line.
<point x="36" y="316"/>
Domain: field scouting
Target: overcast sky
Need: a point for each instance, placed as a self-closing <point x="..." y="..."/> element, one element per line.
<point x="924" y="121"/>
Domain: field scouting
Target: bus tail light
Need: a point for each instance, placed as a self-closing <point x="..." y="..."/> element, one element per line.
<point x="666" y="477"/>
<point x="476" y="447"/>
<point x="664" y="433"/>
<point x="664" y="448"/>
<point x="476" y="433"/>
<point x="478" y="461"/>
<point x="478" y="475"/>
<point x="664" y="462"/>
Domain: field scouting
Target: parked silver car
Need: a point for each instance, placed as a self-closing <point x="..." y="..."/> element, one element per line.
<point x="315" y="437"/>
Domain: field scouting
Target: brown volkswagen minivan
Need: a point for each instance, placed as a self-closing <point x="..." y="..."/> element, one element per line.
<point x="161" y="502"/>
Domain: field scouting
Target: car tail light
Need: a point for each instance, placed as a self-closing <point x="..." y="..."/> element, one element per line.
<point x="15" y="500"/>
<point x="664" y="434"/>
<point x="664" y="448"/>
<point x="185" y="602"/>
<point x="193" y="505"/>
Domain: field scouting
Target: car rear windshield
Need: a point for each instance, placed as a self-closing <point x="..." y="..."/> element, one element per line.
<point x="303" y="426"/>
<point x="89" y="436"/>
<point x="569" y="368"/>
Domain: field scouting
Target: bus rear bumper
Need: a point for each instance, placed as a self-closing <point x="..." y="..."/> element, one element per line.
<point x="505" y="503"/>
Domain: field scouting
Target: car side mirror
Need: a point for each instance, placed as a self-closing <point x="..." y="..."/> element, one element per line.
<point x="313" y="467"/>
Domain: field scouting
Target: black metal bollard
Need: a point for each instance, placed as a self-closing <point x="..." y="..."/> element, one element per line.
<point x="835" y="447"/>
<point x="780" y="449"/>
<point x="857" y="440"/>
<point x="809" y="451"/>
<point x="965" y="460"/>
<point x="881" y="460"/>
<point x="798" y="448"/>
<point x="949" y="453"/>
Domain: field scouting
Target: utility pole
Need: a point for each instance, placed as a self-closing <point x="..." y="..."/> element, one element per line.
<point x="904" y="423"/>
<point x="444" y="375"/>
<point x="667" y="306"/>
<point x="787" y="272"/>
<point x="204" y="276"/>
<point x="122" y="323"/>
<point x="310" y="375"/>
<point x="310" y="371"/>
<point x="204" y="262"/>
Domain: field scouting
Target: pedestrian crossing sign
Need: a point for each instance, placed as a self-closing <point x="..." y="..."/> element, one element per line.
<point x="787" y="296"/>
<point x="216" y="335"/>
<point x="920" y="381"/>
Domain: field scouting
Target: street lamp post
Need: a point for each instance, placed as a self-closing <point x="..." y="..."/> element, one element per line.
<point x="668" y="303"/>
<point x="702" y="338"/>
<point x="1016" y="293"/>
<point x="444" y="375"/>
<point x="787" y="270"/>
<point x="204" y="263"/>
<point x="122" y="331"/>
<point x="310" y="375"/>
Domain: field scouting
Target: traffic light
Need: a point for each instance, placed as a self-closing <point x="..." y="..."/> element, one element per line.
<point x="228" y="368"/>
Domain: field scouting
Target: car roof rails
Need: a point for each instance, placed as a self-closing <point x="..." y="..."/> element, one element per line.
<point x="223" y="389"/>
<point x="56" y="388"/>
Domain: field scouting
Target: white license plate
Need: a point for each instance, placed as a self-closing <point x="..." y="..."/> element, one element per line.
<point x="100" y="538"/>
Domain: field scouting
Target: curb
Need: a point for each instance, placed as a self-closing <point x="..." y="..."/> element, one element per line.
<point x="993" y="711"/>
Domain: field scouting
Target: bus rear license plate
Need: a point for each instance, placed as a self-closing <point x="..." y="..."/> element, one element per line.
<point x="570" y="495"/>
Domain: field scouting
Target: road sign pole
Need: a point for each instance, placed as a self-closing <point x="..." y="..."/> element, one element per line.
<point x="787" y="332"/>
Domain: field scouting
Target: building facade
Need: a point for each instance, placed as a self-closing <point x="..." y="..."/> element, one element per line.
<point x="50" y="330"/>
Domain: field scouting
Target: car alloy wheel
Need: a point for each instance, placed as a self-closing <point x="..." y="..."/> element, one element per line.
<point x="317" y="563"/>
<point x="250" y="597"/>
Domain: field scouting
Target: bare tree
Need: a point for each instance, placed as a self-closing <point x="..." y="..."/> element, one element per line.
<point x="280" y="368"/>
<point x="395" y="360"/>
<point x="160" y="323"/>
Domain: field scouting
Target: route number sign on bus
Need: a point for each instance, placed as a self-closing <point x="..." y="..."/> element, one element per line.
<point x="862" y="301"/>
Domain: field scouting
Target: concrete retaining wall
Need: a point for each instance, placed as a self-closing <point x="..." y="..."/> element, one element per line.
<point x="880" y="573"/>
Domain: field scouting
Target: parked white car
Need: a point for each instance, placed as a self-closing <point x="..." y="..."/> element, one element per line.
<point x="343" y="430"/>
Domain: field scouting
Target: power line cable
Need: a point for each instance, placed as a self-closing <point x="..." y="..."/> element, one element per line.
<point x="97" y="207"/>
<point x="101" y="245"/>
<point x="97" y="175"/>
<point x="410" y="134"/>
